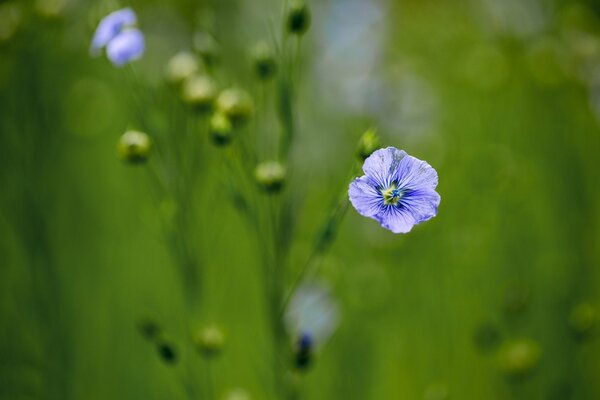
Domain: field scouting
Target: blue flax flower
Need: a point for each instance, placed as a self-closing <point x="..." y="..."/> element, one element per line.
<point x="397" y="190"/>
<point x="117" y="34"/>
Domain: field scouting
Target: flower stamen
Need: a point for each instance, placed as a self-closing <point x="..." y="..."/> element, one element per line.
<point x="392" y="195"/>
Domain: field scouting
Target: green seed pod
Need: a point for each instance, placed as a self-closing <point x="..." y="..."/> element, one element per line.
<point x="270" y="176"/>
<point x="181" y="66"/>
<point x="209" y="341"/>
<point x="298" y="18"/>
<point x="263" y="61"/>
<point x="519" y="357"/>
<point x="367" y="144"/>
<point x="199" y="91"/>
<point x="583" y="319"/>
<point x="134" y="147"/>
<point x="236" y="105"/>
<point x="220" y="129"/>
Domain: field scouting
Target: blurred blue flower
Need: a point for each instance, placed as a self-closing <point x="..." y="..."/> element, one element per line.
<point x="127" y="46"/>
<point x="115" y="32"/>
<point x="311" y="316"/>
<point x="397" y="190"/>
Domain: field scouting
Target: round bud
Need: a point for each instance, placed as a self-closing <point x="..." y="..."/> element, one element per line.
<point x="270" y="176"/>
<point x="583" y="319"/>
<point x="367" y="144"/>
<point x="236" y="105"/>
<point x="208" y="48"/>
<point x="519" y="357"/>
<point x="167" y="352"/>
<point x="209" y="340"/>
<point x="264" y="61"/>
<point x="199" y="91"/>
<point x="298" y="18"/>
<point x="134" y="147"/>
<point x="220" y="129"/>
<point x="181" y="66"/>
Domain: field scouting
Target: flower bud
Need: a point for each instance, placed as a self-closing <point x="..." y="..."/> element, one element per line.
<point x="208" y="48"/>
<point x="166" y="351"/>
<point x="303" y="353"/>
<point x="367" y="144"/>
<point x="583" y="319"/>
<point x="209" y="340"/>
<point x="270" y="176"/>
<point x="199" y="92"/>
<point x="236" y="105"/>
<point x="220" y="129"/>
<point x="298" y="18"/>
<point x="264" y="61"/>
<point x="134" y="147"/>
<point x="519" y="357"/>
<point x="181" y="66"/>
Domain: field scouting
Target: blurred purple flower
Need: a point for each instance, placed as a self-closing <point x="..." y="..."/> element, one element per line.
<point x="127" y="46"/>
<point x="397" y="190"/>
<point x="115" y="32"/>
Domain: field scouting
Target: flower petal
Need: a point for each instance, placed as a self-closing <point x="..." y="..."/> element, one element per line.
<point x="110" y="27"/>
<point x="421" y="204"/>
<point x="126" y="47"/>
<point x="382" y="165"/>
<point x="365" y="198"/>
<point x="396" y="219"/>
<point x="414" y="174"/>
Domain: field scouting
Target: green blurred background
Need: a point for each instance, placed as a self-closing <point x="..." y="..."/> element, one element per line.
<point x="495" y="298"/>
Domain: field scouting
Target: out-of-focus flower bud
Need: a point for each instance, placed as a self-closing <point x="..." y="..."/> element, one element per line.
<point x="181" y="66"/>
<point x="583" y="319"/>
<point x="237" y="394"/>
<point x="519" y="357"/>
<point x="149" y="328"/>
<point x="236" y="105"/>
<point x="200" y="92"/>
<point x="220" y="129"/>
<point x="134" y="147"/>
<point x="298" y="18"/>
<point x="367" y="144"/>
<point x="209" y="340"/>
<point x="264" y="61"/>
<point x="270" y="175"/>
<point x="304" y="351"/>
<point x="208" y="48"/>
<point x="166" y="351"/>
